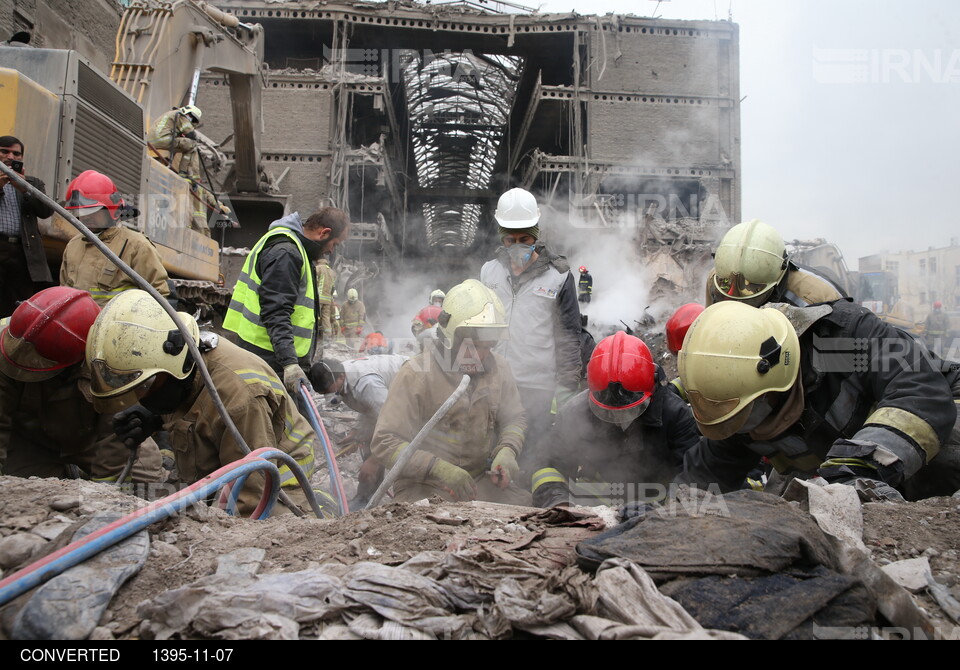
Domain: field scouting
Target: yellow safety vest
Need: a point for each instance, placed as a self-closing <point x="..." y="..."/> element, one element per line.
<point x="243" y="315"/>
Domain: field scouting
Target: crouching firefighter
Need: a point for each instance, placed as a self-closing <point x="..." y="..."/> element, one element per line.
<point x="142" y="369"/>
<point x="471" y="454"/>
<point x="827" y="390"/>
<point x="48" y="426"/>
<point x="622" y="440"/>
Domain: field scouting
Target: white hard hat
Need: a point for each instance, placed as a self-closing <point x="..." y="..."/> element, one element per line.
<point x="516" y="209"/>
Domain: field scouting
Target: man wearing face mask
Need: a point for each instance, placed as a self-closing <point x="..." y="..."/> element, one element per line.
<point x="93" y="198"/>
<point x="275" y="305"/>
<point x="471" y="454"/>
<point x="540" y="296"/>
<point x="619" y="439"/>
<point x="827" y="390"/>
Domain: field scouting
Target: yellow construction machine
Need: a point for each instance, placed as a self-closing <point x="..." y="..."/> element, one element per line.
<point x="72" y="117"/>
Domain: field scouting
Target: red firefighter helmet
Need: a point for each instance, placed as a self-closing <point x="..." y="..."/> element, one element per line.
<point x="622" y="378"/>
<point x="46" y="333"/>
<point x="679" y="324"/>
<point x="938" y="305"/>
<point x="92" y="191"/>
<point x="583" y="268"/>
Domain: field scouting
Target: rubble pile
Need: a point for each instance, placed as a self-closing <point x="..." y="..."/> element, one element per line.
<point x="426" y="570"/>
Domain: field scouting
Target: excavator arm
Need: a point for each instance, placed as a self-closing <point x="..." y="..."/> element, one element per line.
<point x="162" y="48"/>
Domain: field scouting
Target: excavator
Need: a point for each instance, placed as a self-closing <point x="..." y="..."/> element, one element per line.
<point x="56" y="98"/>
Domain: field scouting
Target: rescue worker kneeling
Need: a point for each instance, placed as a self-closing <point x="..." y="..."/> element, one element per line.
<point x="828" y="389"/>
<point x="47" y="421"/>
<point x="622" y="440"/>
<point x="137" y="354"/>
<point x="472" y="452"/>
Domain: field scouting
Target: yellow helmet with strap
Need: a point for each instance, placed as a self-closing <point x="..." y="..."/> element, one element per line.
<point x="732" y="354"/>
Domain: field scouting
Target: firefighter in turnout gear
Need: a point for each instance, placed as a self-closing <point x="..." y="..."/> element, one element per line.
<point x="585" y="285"/>
<point x="676" y="329"/>
<point x="751" y="266"/>
<point x="353" y="317"/>
<point x="472" y="452"/>
<point x="427" y="317"/>
<point x="174" y="136"/>
<point x="326" y="280"/>
<point x="93" y="198"/>
<point x="627" y="429"/>
<point x="47" y="421"/>
<point x="789" y="384"/>
<point x="137" y="355"/>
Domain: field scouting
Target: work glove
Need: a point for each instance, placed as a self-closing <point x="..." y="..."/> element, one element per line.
<point x="504" y="468"/>
<point x="455" y="480"/>
<point x="359" y="330"/>
<point x="135" y="424"/>
<point x="293" y="374"/>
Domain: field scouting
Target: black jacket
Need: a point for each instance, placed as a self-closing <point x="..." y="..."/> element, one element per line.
<point x="863" y="380"/>
<point x="649" y="452"/>
<point x="279" y="267"/>
<point x="32" y="209"/>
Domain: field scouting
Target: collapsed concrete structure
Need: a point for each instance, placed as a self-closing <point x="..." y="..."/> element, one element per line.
<point x="416" y="117"/>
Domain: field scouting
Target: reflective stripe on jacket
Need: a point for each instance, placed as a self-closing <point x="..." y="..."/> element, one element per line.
<point x="243" y="316"/>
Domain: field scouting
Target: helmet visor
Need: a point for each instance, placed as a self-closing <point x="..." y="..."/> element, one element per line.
<point x="717" y="419"/>
<point x="19" y="360"/>
<point x="82" y="205"/>
<point x="737" y="287"/>
<point x="622" y="416"/>
<point x="106" y="381"/>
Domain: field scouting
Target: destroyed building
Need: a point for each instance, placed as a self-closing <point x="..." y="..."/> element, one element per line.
<point x="415" y="118"/>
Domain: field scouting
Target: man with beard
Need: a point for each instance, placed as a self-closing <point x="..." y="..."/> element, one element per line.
<point x="275" y="304"/>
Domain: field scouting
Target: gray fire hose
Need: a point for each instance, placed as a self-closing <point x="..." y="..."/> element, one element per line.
<point x="146" y="286"/>
<point x="414" y="444"/>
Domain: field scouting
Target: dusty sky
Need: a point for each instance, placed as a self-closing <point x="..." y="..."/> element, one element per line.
<point x="850" y="119"/>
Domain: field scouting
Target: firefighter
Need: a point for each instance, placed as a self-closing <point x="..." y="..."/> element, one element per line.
<point x="204" y="204"/>
<point x="427" y="317"/>
<point x="472" y="451"/>
<point x="676" y="329"/>
<point x="47" y="423"/>
<point x="751" y="266"/>
<point x="935" y="328"/>
<point x="626" y="431"/>
<point x="174" y="134"/>
<point x="829" y="390"/>
<point x="353" y="317"/>
<point x="137" y="355"/>
<point x="585" y="285"/>
<point x="326" y="280"/>
<point x="375" y="344"/>
<point x="93" y="198"/>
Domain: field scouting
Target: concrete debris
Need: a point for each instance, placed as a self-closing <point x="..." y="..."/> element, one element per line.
<point x="910" y="573"/>
<point x="18" y="548"/>
<point x="244" y="562"/>
<point x="69" y="606"/>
